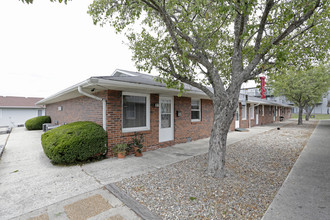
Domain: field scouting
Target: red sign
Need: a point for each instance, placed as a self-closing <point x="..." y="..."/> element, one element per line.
<point x="262" y="87"/>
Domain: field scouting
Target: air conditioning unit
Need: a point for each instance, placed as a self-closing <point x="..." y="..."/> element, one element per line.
<point x="45" y="126"/>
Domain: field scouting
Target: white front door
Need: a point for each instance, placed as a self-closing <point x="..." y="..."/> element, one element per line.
<point x="257" y="115"/>
<point x="166" y="119"/>
<point x="237" y="118"/>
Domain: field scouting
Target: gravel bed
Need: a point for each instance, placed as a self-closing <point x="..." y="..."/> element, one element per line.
<point x="256" y="169"/>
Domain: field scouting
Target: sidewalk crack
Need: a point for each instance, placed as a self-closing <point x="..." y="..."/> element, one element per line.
<point x="84" y="171"/>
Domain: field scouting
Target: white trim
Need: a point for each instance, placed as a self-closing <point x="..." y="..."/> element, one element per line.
<point x="244" y="108"/>
<point x="195" y="110"/>
<point x="263" y="110"/>
<point x="161" y="137"/>
<point x="123" y="72"/>
<point x="251" y="112"/>
<point x="147" y="127"/>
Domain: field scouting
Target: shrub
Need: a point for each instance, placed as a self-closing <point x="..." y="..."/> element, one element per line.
<point x="75" y="142"/>
<point x="36" y="123"/>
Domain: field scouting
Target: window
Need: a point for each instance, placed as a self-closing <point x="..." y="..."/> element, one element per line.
<point x="136" y="112"/>
<point x="263" y="110"/>
<point x="195" y="110"/>
<point x="251" y="111"/>
<point x="39" y="112"/>
<point x="276" y="111"/>
<point x="243" y="112"/>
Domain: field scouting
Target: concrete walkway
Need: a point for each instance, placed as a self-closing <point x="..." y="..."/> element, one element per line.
<point x="305" y="194"/>
<point x="30" y="186"/>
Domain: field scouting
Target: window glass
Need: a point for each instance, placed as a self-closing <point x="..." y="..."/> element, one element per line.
<point x="251" y="111"/>
<point x="195" y="110"/>
<point x="134" y="111"/>
<point x="39" y="112"/>
<point x="244" y="112"/>
<point x="165" y="113"/>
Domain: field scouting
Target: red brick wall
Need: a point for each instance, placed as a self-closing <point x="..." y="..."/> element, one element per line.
<point x="114" y="123"/>
<point x="266" y="119"/>
<point x="78" y="109"/>
<point x="87" y="109"/>
<point x="184" y="129"/>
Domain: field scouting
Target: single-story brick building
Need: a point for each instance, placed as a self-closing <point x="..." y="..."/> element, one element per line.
<point x="128" y="102"/>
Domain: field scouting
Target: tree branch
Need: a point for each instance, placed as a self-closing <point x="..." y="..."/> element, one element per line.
<point x="295" y="24"/>
<point x="269" y="5"/>
<point x="185" y="79"/>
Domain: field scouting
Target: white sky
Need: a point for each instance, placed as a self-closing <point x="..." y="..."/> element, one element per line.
<point x="46" y="47"/>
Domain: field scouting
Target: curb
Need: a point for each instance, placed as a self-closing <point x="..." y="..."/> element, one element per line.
<point x="131" y="203"/>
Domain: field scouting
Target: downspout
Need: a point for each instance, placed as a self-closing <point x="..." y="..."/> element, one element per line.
<point x="104" y="105"/>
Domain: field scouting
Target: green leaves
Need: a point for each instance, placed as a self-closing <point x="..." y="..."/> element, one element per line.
<point x="302" y="87"/>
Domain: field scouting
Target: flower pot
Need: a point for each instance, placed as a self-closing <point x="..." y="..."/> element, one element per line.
<point x="137" y="153"/>
<point x="121" y="155"/>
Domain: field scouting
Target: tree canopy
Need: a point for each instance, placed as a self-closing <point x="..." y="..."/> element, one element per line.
<point x="219" y="44"/>
<point x="185" y="39"/>
<point x="303" y="88"/>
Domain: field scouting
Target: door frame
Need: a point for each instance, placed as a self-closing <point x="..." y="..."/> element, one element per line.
<point x="237" y="117"/>
<point x="160" y="134"/>
<point x="257" y="114"/>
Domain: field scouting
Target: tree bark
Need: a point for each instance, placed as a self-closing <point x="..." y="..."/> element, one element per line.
<point x="308" y="112"/>
<point x="223" y="112"/>
<point x="301" y="108"/>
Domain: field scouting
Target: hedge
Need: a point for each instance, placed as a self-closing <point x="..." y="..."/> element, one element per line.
<point x="36" y="123"/>
<point x="75" y="142"/>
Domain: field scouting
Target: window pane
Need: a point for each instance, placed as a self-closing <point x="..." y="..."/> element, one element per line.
<point x="166" y="106"/>
<point x="194" y="104"/>
<point x="165" y="120"/>
<point x="244" y="111"/>
<point x="195" y="115"/>
<point x="134" y="111"/>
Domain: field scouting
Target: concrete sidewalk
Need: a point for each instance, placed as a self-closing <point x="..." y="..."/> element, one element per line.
<point x="31" y="186"/>
<point x="305" y="194"/>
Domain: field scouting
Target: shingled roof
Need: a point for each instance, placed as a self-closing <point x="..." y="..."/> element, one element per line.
<point x="19" y="102"/>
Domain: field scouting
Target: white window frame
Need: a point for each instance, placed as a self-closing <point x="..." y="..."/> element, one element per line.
<point x="199" y="110"/>
<point x="263" y="110"/>
<point x="145" y="128"/>
<point x="251" y="112"/>
<point x="244" y="109"/>
<point x="276" y="109"/>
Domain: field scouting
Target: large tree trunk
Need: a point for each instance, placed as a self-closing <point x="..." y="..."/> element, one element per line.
<point x="301" y="108"/>
<point x="224" y="112"/>
<point x="308" y="111"/>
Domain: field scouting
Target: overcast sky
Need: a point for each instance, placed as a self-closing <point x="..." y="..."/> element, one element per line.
<point x="46" y="47"/>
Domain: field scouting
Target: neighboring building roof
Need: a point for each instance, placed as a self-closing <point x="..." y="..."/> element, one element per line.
<point x="19" y="102"/>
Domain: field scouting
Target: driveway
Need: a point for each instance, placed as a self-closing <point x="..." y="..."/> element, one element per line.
<point x="28" y="181"/>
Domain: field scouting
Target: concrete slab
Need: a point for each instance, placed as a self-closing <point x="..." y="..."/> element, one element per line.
<point x="97" y="204"/>
<point x="28" y="181"/>
<point x="305" y="194"/>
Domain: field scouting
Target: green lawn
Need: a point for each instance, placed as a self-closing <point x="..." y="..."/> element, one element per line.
<point x="319" y="117"/>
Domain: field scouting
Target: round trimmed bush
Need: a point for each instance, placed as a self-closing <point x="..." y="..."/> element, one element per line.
<point x="75" y="142"/>
<point x="37" y="122"/>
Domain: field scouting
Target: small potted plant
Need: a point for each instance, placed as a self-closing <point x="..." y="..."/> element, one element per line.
<point x="137" y="144"/>
<point x="120" y="150"/>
